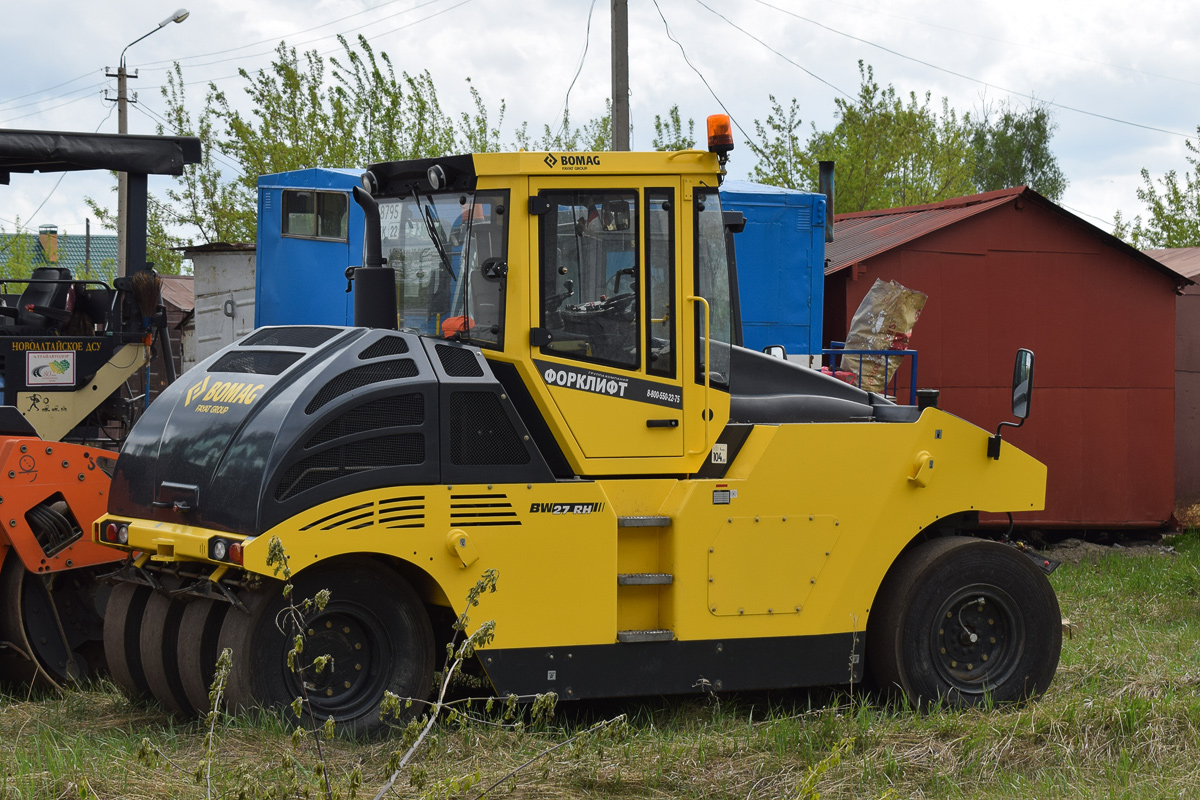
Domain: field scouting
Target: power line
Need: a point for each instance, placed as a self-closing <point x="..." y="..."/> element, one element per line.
<point x="251" y="55"/>
<point x="968" y="77"/>
<point x="342" y="33"/>
<point x="587" y="38"/>
<point x="1013" y="44"/>
<point x="773" y="50"/>
<point x="42" y="110"/>
<point x="671" y="36"/>
<point x="154" y="115"/>
<point x="47" y="89"/>
<point x="18" y="225"/>
<point x="1084" y="213"/>
<point x="149" y="65"/>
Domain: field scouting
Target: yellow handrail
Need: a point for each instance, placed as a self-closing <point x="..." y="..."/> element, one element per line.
<point x="707" y="363"/>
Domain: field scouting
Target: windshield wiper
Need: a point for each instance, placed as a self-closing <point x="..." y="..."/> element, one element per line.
<point x="427" y="215"/>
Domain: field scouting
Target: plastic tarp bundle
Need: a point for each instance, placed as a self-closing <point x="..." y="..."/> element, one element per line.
<point x="884" y="321"/>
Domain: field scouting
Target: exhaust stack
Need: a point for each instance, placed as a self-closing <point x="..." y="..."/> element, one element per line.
<point x="375" y="295"/>
<point x="825" y="187"/>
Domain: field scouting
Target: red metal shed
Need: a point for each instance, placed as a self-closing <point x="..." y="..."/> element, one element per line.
<point x="1186" y="261"/>
<point x="1011" y="269"/>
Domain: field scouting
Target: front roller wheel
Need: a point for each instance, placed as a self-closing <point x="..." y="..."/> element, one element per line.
<point x="374" y="627"/>
<point x="51" y="629"/>
<point x="962" y="620"/>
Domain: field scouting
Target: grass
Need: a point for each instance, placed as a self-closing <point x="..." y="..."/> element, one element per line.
<point x="1122" y="720"/>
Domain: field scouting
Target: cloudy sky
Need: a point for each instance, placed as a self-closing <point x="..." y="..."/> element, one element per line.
<point x="1125" y="79"/>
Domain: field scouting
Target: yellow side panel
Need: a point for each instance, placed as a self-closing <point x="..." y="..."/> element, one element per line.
<point x="768" y="565"/>
<point x="557" y="564"/>
<point x="857" y="474"/>
<point x="608" y="427"/>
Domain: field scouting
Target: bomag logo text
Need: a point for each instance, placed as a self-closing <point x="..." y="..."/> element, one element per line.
<point x="568" y="162"/>
<point x="223" y="392"/>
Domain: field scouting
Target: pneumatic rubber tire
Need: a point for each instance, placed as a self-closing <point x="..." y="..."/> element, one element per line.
<point x="375" y="627"/>
<point x="122" y="637"/>
<point x="158" y="647"/>
<point x="197" y="653"/>
<point x="964" y="621"/>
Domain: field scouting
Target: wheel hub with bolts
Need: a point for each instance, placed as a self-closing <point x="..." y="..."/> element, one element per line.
<point x="349" y="638"/>
<point x="977" y="638"/>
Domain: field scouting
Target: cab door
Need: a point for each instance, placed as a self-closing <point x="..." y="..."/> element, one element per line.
<point x="606" y="344"/>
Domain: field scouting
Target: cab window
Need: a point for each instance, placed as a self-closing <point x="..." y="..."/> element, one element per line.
<point x="449" y="253"/>
<point x="589" y="279"/>
<point x="315" y="215"/>
<point x="660" y="282"/>
<point x="713" y="284"/>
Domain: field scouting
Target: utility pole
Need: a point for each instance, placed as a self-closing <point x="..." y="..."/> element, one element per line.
<point x="122" y="76"/>
<point x="620" y="74"/>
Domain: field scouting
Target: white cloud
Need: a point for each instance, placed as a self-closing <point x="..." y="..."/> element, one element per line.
<point x="1101" y="56"/>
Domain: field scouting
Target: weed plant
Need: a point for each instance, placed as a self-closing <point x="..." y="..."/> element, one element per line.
<point x="1121" y="720"/>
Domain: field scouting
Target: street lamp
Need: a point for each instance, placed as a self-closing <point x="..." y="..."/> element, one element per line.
<point x="122" y="77"/>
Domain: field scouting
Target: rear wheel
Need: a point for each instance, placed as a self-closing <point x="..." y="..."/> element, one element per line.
<point x="964" y="620"/>
<point x="157" y="643"/>
<point x="374" y="627"/>
<point x="50" y="624"/>
<point x="199" y="631"/>
<point x="122" y="637"/>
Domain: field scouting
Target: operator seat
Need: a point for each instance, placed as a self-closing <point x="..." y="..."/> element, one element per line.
<point x="47" y="297"/>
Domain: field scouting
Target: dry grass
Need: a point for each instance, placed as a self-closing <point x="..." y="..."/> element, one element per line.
<point x="1122" y="719"/>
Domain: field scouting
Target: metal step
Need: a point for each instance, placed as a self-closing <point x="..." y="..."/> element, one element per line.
<point x="643" y="522"/>
<point x="645" y="636"/>
<point x="645" y="579"/>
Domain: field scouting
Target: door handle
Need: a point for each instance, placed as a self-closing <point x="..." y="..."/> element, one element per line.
<point x="662" y="423"/>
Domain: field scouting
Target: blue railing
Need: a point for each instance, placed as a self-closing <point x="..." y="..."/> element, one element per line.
<point x="838" y="350"/>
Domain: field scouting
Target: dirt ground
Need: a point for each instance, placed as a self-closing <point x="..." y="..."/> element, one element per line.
<point x="1075" y="551"/>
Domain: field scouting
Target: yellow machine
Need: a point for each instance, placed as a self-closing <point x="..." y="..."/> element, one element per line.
<point x="543" y="384"/>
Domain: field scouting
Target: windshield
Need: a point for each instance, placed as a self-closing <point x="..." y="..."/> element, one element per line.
<point x="449" y="251"/>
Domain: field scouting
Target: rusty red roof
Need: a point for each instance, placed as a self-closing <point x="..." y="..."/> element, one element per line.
<point x="1184" y="260"/>
<point x="177" y="291"/>
<point x="863" y="234"/>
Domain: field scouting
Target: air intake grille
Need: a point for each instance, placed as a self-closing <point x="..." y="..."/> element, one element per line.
<point x="459" y="363"/>
<point x="394" y="512"/>
<point x="480" y="432"/>
<point x="299" y="336"/>
<point x="257" y="362"/>
<point x="387" y="346"/>
<point x="803" y="218"/>
<point x="351" y="459"/>
<point x="481" y="510"/>
<point x="386" y="412"/>
<point x="362" y="376"/>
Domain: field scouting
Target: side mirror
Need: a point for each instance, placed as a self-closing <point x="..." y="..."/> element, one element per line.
<point x="1022" y="385"/>
<point x="1022" y="396"/>
<point x="776" y="351"/>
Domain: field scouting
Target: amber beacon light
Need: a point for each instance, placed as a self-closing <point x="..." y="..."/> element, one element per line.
<point x="720" y="134"/>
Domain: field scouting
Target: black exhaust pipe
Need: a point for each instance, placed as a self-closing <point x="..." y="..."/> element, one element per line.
<point x="375" y="292"/>
<point x="825" y="187"/>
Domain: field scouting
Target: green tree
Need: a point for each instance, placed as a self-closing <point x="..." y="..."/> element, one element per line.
<point x="595" y="135"/>
<point x="1173" y="208"/>
<point x="161" y="242"/>
<point x="16" y="252"/>
<point x="781" y="158"/>
<point x="668" y="132"/>
<point x="1011" y="147"/>
<point x="898" y="151"/>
